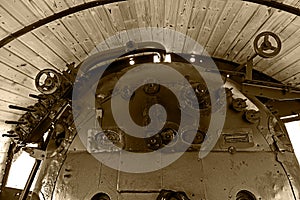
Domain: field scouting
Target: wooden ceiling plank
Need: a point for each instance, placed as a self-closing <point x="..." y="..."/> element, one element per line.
<point x="45" y="35"/>
<point x="3" y="33"/>
<point x="9" y="117"/>
<point x="4" y="104"/>
<point x="214" y="12"/>
<point x="17" y="87"/>
<point x="26" y="53"/>
<point x="11" y="59"/>
<point x="104" y="20"/>
<point x="289" y="71"/>
<point x="247" y="32"/>
<point x="278" y="67"/>
<point x="183" y="18"/>
<point x="183" y="15"/>
<point x="84" y="20"/>
<point x="226" y="19"/>
<point x="118" y="25"/>
<point x="14" y="98"/>
<point x="129" y="15"/>
<point x="26" y="17"/>
<point x="198" y="13"/>
<point x="15" y="75"/>
<point x="101" y="32"/>
<point x="25" y="103"/>
<point x="43" y="50"/>
<point x="63" y="34"/>
<point x="171" y="10"/>
<point x="295" y="3"/>
<point x="241" y="19"/>
<point x="57" y="5"/>
<point x="88" y="24"/>
<point x="284" y="63"/>
<point x="293" y="80"/>
<point x="36" y="10"/>
<point x="144" y="19"/>
<point x="39" y="7"/>
<point x="4" y="108"/>
<point x="72" y="3"/>
<point x="74" y="27"/>
<point x="8" y="22"/>
<point x="157" y="11"/>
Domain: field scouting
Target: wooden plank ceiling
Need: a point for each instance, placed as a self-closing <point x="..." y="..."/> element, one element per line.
<point x="226" y="28"/>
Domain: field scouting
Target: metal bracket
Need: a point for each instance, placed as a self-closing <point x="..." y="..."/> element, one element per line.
<point x="270" y="90"/>
<point x="281" y="147"/>
<point x="35" y="153"/>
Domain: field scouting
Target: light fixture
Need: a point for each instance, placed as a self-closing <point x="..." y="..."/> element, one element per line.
<point x="131" y="61"/>
<point x="156" y="58"/>
<point x="192" y="59"/>
<point x="168" y="58"/>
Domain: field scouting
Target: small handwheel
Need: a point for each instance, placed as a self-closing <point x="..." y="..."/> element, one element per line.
<point x="47" y="81"/>
<point x="265" y="47"/>
<point x="252" y="116"/>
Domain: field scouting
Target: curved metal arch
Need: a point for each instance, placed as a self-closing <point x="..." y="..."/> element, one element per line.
<point x="277" y="5"/>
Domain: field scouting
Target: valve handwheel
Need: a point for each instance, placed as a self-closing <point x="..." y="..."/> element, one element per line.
<point x="265" y="47"/>
<point x="47" y="81"/>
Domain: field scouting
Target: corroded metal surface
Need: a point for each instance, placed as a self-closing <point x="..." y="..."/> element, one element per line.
<point x="246" y="158"/>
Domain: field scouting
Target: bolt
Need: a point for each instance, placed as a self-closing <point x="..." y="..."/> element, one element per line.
<point x="232" y="149"/>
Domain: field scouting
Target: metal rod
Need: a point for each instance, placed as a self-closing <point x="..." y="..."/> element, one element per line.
<point x="37" y="97"/>
<point x="15" y="122"/>
<point x="277" y="4"/>
<point x="21" y="108"/>
<point x="11" y="132"/>
<point x="9" y="135"/>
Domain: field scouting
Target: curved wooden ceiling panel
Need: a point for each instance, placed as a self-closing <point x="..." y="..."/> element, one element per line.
<point x="226" y="28"/>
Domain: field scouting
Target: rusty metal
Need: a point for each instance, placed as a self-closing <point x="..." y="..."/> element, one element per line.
<point x="239" y="104"/>
<point x="252" y="116"/>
